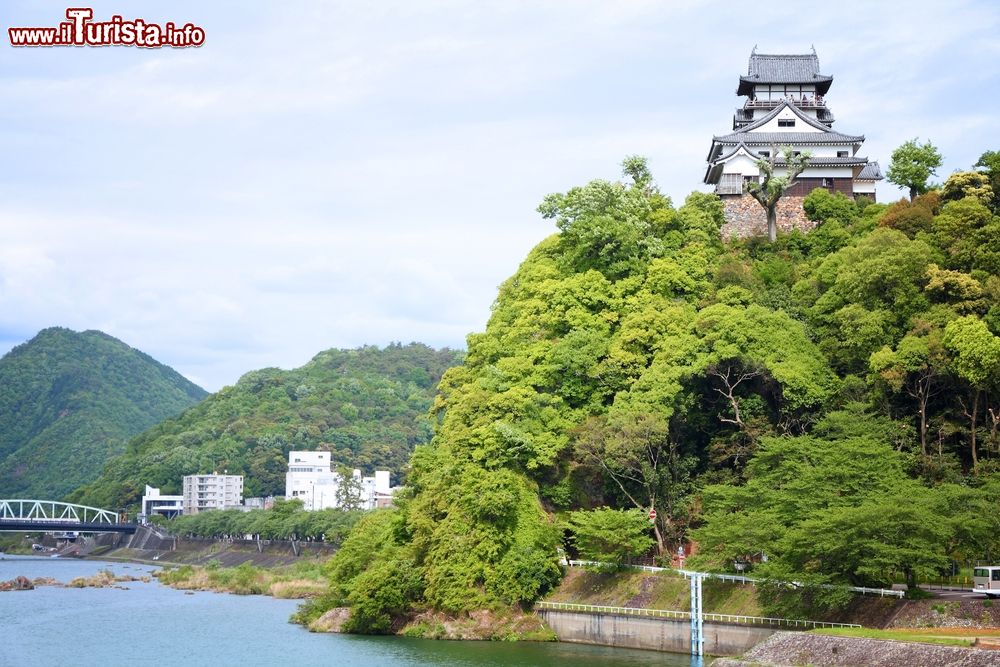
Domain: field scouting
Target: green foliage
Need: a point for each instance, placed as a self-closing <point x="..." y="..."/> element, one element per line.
<point x="611" y="536"/>
<point x="963" y="184"/>
<point x="766" y="398"/>
<point x="68" y="403"/>
<point x="286" y="520"/>
<point x="364" y="406"/>
<point x="912" y="165"/>
<point x="824" y="207"/>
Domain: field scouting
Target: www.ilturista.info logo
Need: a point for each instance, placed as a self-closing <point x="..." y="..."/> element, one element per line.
<point x="81" y="30"/>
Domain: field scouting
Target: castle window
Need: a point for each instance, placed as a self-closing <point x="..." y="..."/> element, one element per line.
<point x="765" y="153"/>
<point x="786" y="122"/>
<point x="842" y="154"/>
<point x="827" y="182"/>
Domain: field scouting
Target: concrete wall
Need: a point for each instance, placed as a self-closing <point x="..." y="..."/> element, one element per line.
<point x="658" y="634"/>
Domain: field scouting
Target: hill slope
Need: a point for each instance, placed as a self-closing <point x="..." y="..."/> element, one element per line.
<point x="69" y="401"/>
<point x="366" y="406"/>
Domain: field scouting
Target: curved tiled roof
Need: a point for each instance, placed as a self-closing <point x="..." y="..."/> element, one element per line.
<point x="783" y="68"/>
<point x="784" y="138"/>
<point x="871" y="172"/>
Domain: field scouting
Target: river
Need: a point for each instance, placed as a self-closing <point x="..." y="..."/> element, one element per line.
<point x="151" y="624"/>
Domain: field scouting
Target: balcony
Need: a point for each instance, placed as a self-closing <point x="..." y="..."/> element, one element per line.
<point x="729" y="184"/>
<point x="802" y="101"/>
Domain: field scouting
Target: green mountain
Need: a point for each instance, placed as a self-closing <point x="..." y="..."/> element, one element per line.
<point x="366" y="406"/>
<point x="69" y="401"/>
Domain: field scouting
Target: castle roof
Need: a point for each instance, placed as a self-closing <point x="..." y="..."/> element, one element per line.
<point x="786" y="138"/>
<point x="783" y="68"/>
<point x="871" y="172"/>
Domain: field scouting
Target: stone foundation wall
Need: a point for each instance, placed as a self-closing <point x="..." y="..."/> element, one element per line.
<point x="745" y="217"/>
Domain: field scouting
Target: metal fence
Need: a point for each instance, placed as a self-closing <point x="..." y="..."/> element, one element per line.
<point x="686" y="616"/>
<point x="740" y="579"/>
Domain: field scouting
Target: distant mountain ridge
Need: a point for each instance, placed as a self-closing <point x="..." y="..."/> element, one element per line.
<point x="367" y="406"/>
<point x="70" y="400"/>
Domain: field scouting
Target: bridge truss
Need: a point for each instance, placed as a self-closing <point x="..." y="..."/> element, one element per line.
<point x="45" y="511"/>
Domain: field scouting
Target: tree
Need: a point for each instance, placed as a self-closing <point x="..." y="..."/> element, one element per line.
<point x="912" y="165"/>
<point x="771" y="188"/>
<point x="917" y="366"/>
<point x="977" y="361"/>
<point x="990" y="161"/>
<point x="611" y="536"/>
<point x="638" y="455"/>
<point x="348" y="490"/>
<point x="963" y="184"/>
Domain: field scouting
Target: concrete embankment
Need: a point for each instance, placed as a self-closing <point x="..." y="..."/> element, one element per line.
<point x="792" y="649"/>
<point x="658" y="634"/>
<point x="151" y="546"/>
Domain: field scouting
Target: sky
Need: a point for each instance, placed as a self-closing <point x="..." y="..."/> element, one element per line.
<point x="335" y="174"/>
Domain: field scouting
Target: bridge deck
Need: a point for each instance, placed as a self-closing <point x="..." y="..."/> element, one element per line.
<point x="33" y="526"/>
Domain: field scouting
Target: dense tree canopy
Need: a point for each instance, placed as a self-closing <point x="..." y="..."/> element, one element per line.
<point x="754" y="394"/>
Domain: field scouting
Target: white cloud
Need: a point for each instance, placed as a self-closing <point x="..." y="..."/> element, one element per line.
<point x="333" y="174"/>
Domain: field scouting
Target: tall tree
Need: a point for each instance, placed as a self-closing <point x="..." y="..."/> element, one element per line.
<point x="771" y="187"/>
<point x="977" y="361"/>
<point x="912" y="165"/>
<point x="918" y="366"/>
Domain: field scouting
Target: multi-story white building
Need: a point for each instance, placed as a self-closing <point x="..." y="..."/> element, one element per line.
<point x="154" y="502"/>
<point x="212" y="492"/>
<point x="311" y="479"/>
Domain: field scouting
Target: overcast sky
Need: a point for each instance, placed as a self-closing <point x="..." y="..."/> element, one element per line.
<point x="335" y="174"/>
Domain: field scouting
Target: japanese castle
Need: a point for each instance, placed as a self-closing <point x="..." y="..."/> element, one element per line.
<point x="786" y="107"/>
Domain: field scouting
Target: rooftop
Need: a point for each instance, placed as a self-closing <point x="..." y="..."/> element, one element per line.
<point x="788" y="138"/>
<point x="871" y="172"/>
<point x="783" y="68"/>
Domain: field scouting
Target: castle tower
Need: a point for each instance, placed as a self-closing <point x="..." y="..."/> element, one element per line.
<point x="785" y="106"/>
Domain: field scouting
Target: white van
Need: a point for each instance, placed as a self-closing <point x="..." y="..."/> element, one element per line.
<point x="987" y="580"/>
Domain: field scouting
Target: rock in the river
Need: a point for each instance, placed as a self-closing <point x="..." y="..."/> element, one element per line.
<point x="17" y="584"/>
<point x="332" y="620"/>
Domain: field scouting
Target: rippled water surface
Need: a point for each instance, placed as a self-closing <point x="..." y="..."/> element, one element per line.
<point x="150" y="624"/>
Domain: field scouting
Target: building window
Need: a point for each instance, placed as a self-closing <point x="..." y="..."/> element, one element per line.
<point x="786" y="122"/>
<point x="827" y="182"/>
<point x="765" y="153"/>
<point x="842" y="154"/>
<point x="796" y="153"/>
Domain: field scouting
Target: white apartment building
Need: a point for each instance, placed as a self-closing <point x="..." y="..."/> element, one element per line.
<point x="311" y="479"/>
<point x="212" y="492"/>
<point x="154" y="502"/>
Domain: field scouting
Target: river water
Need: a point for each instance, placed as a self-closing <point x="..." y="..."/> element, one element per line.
<point x="151" y="624"/>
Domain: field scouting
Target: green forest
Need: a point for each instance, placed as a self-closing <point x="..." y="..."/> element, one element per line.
<point x="366" y="406"/>
<point x="827" y="403"/>
<point x="69" y="401"/>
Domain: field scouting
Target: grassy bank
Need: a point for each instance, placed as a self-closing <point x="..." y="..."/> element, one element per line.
<point x="298" y="581"/>
<point x="662" y="590"/>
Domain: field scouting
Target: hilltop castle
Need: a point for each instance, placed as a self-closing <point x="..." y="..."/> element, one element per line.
<point x="785" y="107"/>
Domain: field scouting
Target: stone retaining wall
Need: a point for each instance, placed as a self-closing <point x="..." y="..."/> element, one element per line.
<point x="745" y="217"/>
<point x="795" y="649"/>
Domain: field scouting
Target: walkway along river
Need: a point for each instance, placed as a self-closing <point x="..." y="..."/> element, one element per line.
<point x="151" y="624"/>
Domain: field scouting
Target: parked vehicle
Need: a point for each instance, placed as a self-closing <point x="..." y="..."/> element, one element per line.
<point x="987" y="580"/>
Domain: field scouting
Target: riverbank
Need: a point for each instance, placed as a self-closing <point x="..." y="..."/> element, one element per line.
<point x="800" y="649"/>
<point x="298" y="581"/>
